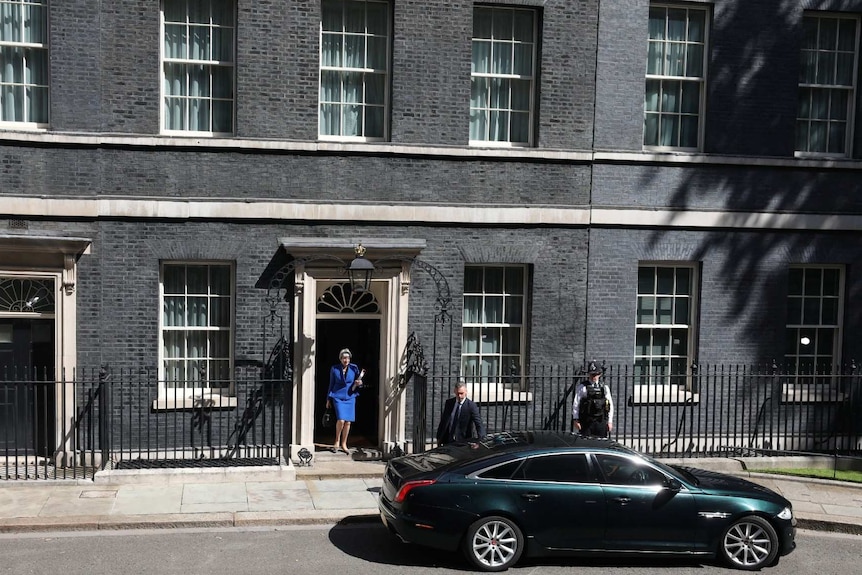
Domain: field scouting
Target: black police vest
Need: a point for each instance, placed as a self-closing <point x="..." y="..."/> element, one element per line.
<point x="594" y="405"/>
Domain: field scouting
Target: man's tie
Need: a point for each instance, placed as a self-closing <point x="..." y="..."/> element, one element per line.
<point x="454" y="423"/>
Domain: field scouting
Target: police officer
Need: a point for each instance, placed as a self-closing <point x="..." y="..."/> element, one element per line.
<point x="593" y="407"/>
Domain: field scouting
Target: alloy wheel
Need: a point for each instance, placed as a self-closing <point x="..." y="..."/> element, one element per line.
<point x="494" y="544"/>
<point x="750" y="543"/>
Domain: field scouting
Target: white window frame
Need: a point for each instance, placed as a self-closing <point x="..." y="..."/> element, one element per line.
<point x="211" y="64"/>
<point x="804" y="376"/>
<point x="666" y="80"/>
<point x="510" y="44"/>
<point x="507" y="297"/>
<point x="806" y="90"/>
<point x="28" y="82"/>
<point x="667" y="388"/>
<point x="170" y="397"/>
<point x="364" y="71"/>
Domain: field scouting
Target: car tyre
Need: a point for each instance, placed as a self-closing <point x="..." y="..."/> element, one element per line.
<point x="750" y="543"/>
<point x="493" y="543"/>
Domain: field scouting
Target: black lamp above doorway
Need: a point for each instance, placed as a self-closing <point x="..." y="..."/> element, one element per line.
<point x="360" y="270"/>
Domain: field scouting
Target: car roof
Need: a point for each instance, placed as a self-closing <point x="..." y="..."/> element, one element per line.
<point x="518" y="440"/>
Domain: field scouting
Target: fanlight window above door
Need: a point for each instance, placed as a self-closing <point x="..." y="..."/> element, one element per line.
<point x="341" y="299"/>
<point x="26" y="295"/>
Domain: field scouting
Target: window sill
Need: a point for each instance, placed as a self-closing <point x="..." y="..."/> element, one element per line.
<point x="662" y="395"/>
<point x="198" y="401"/>
<point x="486" y="393"/>
<point x="794" y="393"/>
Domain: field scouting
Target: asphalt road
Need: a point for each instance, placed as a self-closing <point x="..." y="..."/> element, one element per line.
<point x="338" y="550"/>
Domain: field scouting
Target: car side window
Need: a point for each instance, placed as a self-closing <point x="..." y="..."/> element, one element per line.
<point x="567" y="467"/>
<point x="504" y="471"/>
<point x="618" y="470"/>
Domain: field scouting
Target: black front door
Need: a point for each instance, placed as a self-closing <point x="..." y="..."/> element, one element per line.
<point x="362" y="338"/>
<point x="26" y="385"/>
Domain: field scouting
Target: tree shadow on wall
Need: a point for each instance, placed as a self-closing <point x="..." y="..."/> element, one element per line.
<point x="768" y="216"/>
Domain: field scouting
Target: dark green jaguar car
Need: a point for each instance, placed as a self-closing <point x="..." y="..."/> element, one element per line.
<point x="548" y="493"/>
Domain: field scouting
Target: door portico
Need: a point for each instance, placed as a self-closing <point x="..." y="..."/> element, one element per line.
<point x="313" y="274"/>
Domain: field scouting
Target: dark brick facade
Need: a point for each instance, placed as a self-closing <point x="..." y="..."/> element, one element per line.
<point x="105" y="83"/>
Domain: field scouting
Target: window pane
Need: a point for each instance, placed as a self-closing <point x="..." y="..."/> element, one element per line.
<point x="493" y="280"/>
<point x="472" y="308"/>
<point x="493" y="309"/>
<point x="690" y="102"/>
<point x="473" y="279"/>
<point x="810" y="310"/>
<point x="219" y="344"/>
<point x="471" y="340"/>
<point x="490" y="340"/>
<point x="680" y="314"/>
<point x="794" y="311"/>
<point x="197" y="312"/>
<point x="646" y="280"/>
<point x="831" y="279"/>
<point x="514" y="309"/>
<point x="523" y="26"/>
<point x="374" y="122"/>
<point x="812" y="281"/>
<point x="794" y="283"/>
<point x="825" y="341"/>
<point x="378" y="18"/>
<point x="664" y="309"/>
<point x="470" y="365"/>
<point x="646" y="309"/>
<point x="642" y="341"/>
<point x="515" y="280"/>
<point x="223" y="44"/>
<point x="482" y="23"/>
<point x="220" y="312"/>
<point x="377" y="53"/>
<point x="174" y="311"/>
<point x="679" y="342"/>
<point x="665" y="280"/>
<point x="511" y="340"/>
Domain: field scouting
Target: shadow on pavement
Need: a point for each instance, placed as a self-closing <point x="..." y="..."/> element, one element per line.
<point x="374" y="543"/>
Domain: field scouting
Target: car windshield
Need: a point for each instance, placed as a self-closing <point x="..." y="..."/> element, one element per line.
<point x="673" y="471"/>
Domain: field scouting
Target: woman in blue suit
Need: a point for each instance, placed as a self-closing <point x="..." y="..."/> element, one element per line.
<point x="344" y="383"/>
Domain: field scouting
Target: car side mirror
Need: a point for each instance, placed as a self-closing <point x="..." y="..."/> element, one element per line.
<point x="672" y="484"/>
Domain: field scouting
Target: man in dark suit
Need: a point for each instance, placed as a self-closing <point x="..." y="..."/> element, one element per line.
<point x="460" y="415"/>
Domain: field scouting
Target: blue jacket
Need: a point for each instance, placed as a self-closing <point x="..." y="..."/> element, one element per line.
<point x="341" y="385"/>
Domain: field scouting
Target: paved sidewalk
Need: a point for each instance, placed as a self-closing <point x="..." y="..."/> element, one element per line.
<point x="336" y="489"/>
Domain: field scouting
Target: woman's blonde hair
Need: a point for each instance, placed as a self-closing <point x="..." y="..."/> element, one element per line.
<point x="344" y="352"/>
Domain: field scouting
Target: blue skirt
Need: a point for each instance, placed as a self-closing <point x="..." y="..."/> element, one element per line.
<point x="345" y="409"/>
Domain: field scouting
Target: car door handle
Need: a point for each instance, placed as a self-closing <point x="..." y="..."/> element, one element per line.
<point x="622" y="500"/>
<point x="530" y="496"/>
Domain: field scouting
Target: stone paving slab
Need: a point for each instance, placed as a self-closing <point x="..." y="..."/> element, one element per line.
<point x="148" y="499"/>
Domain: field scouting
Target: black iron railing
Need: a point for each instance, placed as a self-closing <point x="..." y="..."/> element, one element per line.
<point x="71" y="427"/>
<point x="714" y="410"/>
<point x="50" y="428"/>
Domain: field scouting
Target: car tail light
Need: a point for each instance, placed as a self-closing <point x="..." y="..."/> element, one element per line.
<point x="410" y="485"/>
